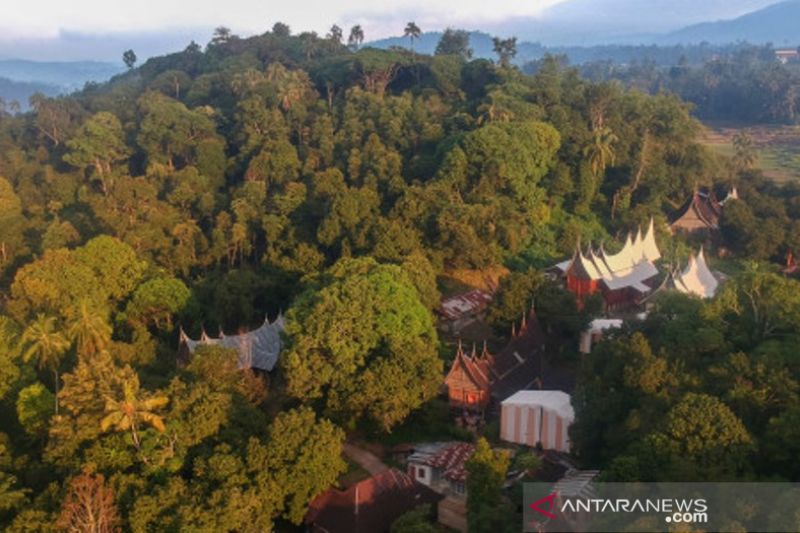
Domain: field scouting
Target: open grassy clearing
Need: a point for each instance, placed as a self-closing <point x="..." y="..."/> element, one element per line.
<point x="778" y="146"/>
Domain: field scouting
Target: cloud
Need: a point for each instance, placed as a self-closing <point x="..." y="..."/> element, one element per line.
<point x="48" y="18"/>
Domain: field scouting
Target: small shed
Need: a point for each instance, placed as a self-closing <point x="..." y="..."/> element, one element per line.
<point x="530" y="417"/>
<point x="458" y="312"/>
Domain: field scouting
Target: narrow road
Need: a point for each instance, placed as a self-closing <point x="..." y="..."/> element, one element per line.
<point x="367" y="460"/>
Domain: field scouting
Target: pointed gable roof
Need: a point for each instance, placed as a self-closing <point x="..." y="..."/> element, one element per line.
<point x="476" y="371"/>
<point x="650" y="249"/>
<point x="622" y="260"/>
<point x="696" y="278"/>
<point x="259" y="348"/>
<point x="703" y="206"/>
<point x="583" y="268"/>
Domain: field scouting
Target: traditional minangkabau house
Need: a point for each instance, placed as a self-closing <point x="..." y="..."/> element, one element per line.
<point x="477" y="380"/>
<point x="623" y="279"/>
<point x="257" y="349"/>
<point x="701" y="212"/>
<point x="469" y="380"/>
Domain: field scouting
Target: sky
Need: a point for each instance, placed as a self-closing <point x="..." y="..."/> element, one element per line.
<point x="37" y="19"/>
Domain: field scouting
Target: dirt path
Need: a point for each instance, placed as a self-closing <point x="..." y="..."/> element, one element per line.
<point x="367" y="460"/>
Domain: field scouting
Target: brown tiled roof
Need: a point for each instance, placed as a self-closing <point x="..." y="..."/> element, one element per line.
<point x="452" y="460"/>
<point x="369" y="506"/>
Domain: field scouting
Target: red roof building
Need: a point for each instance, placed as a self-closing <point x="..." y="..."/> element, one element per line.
<point x="442" y="466"/>
<point x="369" y="506"/>
<point x="623" y="279"/>
<point x="474" y="380"/>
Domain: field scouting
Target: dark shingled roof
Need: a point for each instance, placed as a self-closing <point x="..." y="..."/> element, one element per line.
<point x="369" y="506"/>
<point x="523" y="364"/>
<point x="706" y="206"/>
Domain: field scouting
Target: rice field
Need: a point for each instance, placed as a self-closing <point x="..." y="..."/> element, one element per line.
<point x="778" y="146"/>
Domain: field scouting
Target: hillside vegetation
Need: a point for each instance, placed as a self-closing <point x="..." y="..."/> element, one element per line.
<point x="292" y="174"/>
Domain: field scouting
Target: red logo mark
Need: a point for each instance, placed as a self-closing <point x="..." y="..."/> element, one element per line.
<point x="548" y="500"/>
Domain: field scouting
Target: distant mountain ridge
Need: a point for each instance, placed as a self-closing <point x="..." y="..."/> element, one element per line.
<point x="778" y="24"/>
<point x="19" y="79"/>
<point x="70" y="75"/>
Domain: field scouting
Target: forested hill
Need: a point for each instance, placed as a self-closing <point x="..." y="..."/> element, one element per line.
<point x="257" y="149"/>
<point x="775" y="24"/>
<point x="212" y="186"/>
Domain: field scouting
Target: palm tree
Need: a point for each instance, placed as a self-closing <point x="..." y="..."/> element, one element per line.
<point x="89" y="330"/>
<point x="600" y="152"/>
<point x="127" y="413"/>
<point x="310" y="42"/>
<point x="335" y="34"/>
<point x="744" y="151"/>
<point x="42" y="341"/>
<point x="412" y="31"/>
<point x="356" y="37"/>
<point x="505" y="49"/>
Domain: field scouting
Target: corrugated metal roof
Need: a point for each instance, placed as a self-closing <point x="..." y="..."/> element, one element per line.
<point x="469" y="303"/>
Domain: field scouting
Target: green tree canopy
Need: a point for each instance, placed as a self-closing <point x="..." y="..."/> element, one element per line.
<point x="363" y="343"/>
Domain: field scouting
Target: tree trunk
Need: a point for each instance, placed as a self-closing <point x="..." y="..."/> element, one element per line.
<point x="55" y="375"/>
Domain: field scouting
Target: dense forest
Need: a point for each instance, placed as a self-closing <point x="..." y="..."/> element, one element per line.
<point x="738" y="83"/>
<point x="295" y="175"/>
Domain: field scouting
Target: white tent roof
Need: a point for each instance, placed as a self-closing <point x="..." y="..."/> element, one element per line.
<point x="623" y="260"/>
<point x="552" y="400"/>
<point x="631" y="267"/>
<point x="601" y="324"/>
<point x="697" y="278"/>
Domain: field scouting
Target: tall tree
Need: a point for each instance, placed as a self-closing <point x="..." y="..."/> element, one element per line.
<point x="99" y="144"/>
<point x="413" y="32"/>
<point x="222" y="35"/>
<point x="600" y="151"/>
<point x="356" y="37"/>
<point x="486" y="473"/>
<point x="506" y="50"/>
<point x="129" y="58"/>
<point x="280" y="29"/>
<point x="454" y="42"/>
<point x="335" y="34"/>
<point x="131" y="411"/>
<point x="42" y="340"/>
<point x="89" y="329"/>
<point x="744" y="151"/>
<point x="89" y="506"/>
<point x="363" y="343"/>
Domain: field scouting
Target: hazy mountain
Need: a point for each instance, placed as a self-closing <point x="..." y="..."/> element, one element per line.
<point x="592" y="22"/>
<point x="21" y="91"/>
<point x="778" y="24"/>
<point x="19" y="79"/>
<point x="69" y="75"/>
<point x="75" y="46"/>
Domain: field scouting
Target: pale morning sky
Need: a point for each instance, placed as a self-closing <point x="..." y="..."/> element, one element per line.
<point x="46" y="18"/>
